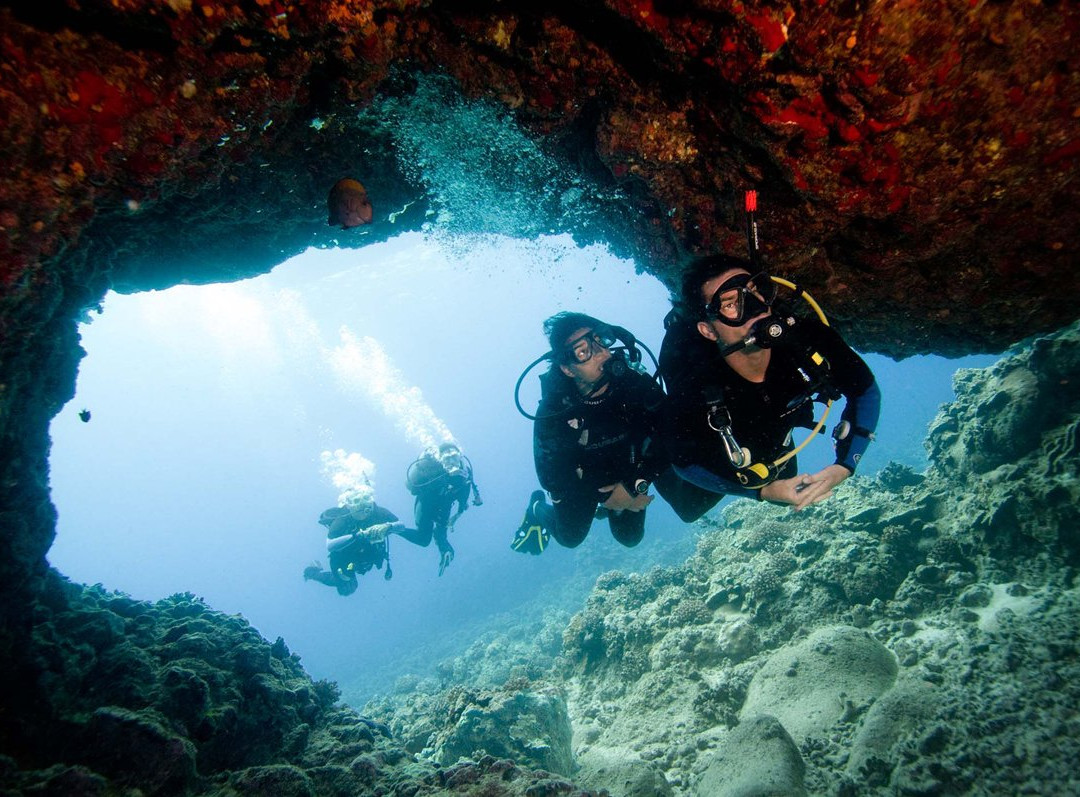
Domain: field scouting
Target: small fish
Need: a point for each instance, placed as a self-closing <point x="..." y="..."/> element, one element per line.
<point x="348" y="204"/>
<point x="84" y="415"/>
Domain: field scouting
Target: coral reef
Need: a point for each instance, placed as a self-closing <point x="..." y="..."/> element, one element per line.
<point x="122" y="696"/>
<point x="914" y="634"/>
<point x="907" y="636"/>
<point x="514" y="721"/>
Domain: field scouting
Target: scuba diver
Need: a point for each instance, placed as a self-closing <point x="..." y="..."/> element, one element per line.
<point x="439" y="478"/>
<point x="742" y="371"/>
<point x="594" y="439"/>
<point x="356" y="539"/>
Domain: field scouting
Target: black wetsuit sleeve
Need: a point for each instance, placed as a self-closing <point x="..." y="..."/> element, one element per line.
<point x="380" y="515"/>
<point x="848" y="371"/>
<point x="554" y="453"/>
<point x="346" y="524"/>
<point x="462" y="493"/>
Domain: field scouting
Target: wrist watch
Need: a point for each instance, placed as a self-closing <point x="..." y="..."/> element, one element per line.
<point x="641" y="486"/>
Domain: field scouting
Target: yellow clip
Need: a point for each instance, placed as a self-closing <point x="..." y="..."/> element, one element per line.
<point x="761" y="471"/>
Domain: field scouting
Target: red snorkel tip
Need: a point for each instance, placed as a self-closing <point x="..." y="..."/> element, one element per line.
<point x="751" y="201"/>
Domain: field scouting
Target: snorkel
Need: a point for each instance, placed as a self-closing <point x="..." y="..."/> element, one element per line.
<point x="768" y="331"/>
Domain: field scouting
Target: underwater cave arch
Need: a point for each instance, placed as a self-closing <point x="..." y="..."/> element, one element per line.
<point x="180" y="507"/>
<point x="265" y="207"/>
<point x="249" y="226"/>
<point x="458" y="324"/>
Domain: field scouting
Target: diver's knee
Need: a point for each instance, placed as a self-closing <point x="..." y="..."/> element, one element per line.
<point x="569" y="540"/>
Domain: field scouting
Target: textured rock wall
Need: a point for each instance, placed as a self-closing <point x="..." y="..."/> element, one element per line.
<point x="894" y="144"/>
<point x="915" y="160"/>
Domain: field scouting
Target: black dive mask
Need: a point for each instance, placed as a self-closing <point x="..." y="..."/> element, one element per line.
<point x="582" y="349"/>
<point x="741" y="297"/>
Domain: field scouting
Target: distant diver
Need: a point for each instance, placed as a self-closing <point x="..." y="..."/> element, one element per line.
<point x="356" y="540"/>
<point x="439" y="478"/>
<point x="84" y="415"/>
<point x="348" y="204"/>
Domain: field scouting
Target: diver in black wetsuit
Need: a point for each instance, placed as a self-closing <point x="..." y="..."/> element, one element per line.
<point x="356" y="540"/>
<point x="439" y="478"/>
<point x="594" y="440"/>
<point x="742" y="372"/>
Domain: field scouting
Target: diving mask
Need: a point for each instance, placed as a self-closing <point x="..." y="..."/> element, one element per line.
<point x="740" y="298"/>
<point x="582" y="348"/>
<point x="451" y="461"/>
<point x="359" y="500"/>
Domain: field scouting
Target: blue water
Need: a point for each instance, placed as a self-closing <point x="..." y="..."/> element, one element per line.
<point x="201" y="470"/>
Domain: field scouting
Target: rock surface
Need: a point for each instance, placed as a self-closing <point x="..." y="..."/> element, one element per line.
<point x="908" y="155"/>
<point x="126" y="697"/>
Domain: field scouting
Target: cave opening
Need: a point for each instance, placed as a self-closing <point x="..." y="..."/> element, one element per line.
<point x="218" y="412"/>
<point x="246" y="525"/>
<point x="212" y="407"/>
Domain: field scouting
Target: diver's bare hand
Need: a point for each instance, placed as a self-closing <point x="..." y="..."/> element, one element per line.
<point x="378" y="532"/>
<point x="620" y="499"/>
<point x="784" y="491"/>
<point x="813" y="488"/>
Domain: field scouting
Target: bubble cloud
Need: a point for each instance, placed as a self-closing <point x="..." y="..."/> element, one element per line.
<point x="362" y="366"/>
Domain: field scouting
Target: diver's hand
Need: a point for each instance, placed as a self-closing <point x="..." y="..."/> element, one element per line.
<point x="478" y="501"/>
<point x="445" y="558"/>
<point x="806" y="488"/>
<point x="620" y="499"/>
<point x="378" y="532"/>
<point x="783" y="491"/>
<point x="820" y="485"/>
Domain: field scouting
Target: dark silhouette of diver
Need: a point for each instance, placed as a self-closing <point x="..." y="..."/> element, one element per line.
<point x="439" y="478"/>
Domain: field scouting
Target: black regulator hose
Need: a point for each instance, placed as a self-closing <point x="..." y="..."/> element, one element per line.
<point x="517" y="386"/>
